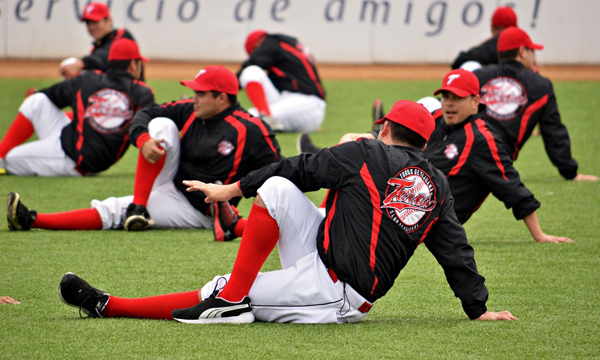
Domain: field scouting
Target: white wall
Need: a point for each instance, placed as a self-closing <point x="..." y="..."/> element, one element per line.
<point x="346" y="31"/>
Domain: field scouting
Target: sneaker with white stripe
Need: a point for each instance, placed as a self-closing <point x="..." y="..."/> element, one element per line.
<point x="216" y="310"/>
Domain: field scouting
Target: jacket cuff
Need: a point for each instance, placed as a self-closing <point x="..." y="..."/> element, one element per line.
<point x="475" y="310"/>
<point x="141" y="140"/>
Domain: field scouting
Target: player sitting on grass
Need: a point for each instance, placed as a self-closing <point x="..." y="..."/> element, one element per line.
<point x="385" y="200"/>
<point x="289" y="96"/>
<point x="209" y="137"/>
<point x="473" y="158"/>
<point x="103" y="105"/>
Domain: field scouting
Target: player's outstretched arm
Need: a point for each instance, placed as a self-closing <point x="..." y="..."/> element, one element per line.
<point x="214" y="192"/>
<point x="492" y="316"/>
<point x="583" y="177"/>
<point x="8" y="300"/>
<point x="533" y="225"/>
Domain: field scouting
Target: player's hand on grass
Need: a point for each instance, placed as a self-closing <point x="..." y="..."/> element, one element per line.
<point x="152" y="150"/>
<point x="213" y="192"/>
<point x="545" y="238"/>
<point x="8" y="300"/>
<point x="492" y="316"/>
<point x="583" y="177"/>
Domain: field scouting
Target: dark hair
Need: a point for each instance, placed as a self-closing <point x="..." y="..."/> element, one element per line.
<point x="508" y="54"/>
<point x="406" y="135"/>
<point x="231" y="98"/>
<point x="119" y="64"/>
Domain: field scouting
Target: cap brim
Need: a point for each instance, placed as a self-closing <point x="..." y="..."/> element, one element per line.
<point x="93" y="18"/>
<point x="456" y="91"/>
<point x="536" y="46"/>
<point x="194" y="85"/>
<point x="144" y="59"/>
<point x="380" y="121"/>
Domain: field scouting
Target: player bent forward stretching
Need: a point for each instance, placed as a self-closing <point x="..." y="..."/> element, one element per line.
<point x="210" y="137"/>
<point x="385" y="200"/>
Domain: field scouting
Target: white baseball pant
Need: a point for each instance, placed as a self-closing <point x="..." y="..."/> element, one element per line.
<point x="168" y="207"/>
<point x="295" y="111"/>
<point x="302" y="291"/>
<point x="431" y="104"/>
<point x="44" y="157"/>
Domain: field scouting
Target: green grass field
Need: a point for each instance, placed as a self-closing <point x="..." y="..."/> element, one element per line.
<point x="553" y="289"/>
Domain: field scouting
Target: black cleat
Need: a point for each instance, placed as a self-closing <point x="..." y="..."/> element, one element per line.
<point x="76" y="292"/>
<point x="215" y="310"/>
<point x="377" y="114"/>
<point x="226" y="217"/>
<point x="137" y="218"/>
<point x="305" y="145"/>
<point x="18" y="216"/>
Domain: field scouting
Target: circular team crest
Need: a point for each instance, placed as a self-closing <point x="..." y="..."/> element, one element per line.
<point x="409" y="198"/>
<point x="451" y="151"/>
<point x="225" y="147"/>
<point x="109" y="110"/>
<point x="503" y="97"/>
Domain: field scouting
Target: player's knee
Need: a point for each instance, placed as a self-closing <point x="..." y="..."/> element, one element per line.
<point x="250" y="74"/>
<point x="258" y="201"/>
<point x="431" y="104"/>
<point x="275" y="188"/>
<point x="163" y="128"/>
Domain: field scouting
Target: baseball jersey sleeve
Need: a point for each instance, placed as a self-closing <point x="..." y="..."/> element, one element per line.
<point x="177" y="111"/>
<point x="556" y="138"/>
<point x="330" y="168"/>
<point x="496" y="171"/>
<point x="447" y="242"/>
<point x="263" y="56"/>
<point x="62" y="94"/>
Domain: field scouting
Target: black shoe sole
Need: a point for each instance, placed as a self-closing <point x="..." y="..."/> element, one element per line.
<point x="12" y="202"/>
<point x="137" y="223"/>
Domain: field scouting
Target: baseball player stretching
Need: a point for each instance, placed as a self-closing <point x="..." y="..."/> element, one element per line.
<point x="208" y="137"/>
<point x="486" y="53"/>
<point x="100" y="26"/>
<point x="472" y="156"/>
<point x="385" y="200"/>
<point x="290" y="96"/>
<point x="516" y="99"/>
<point x="103" y="106"/>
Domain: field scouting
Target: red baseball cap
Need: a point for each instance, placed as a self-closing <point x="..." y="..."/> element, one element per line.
<point x="95" y="12"/>
<point x="412" y="115"/>
<point x="125" y="49"/>
<point x="214" y="78"/>
<point x="460" y="82"/>
<point x="253" y="39"/>
<point x="513" y="38"/>
<point x="504" y="17"/>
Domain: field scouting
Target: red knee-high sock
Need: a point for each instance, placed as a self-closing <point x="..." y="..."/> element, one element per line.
<point x="256" y="93"/>
<point x="259" y="239"/>
<point x="20" y="130"/>
<point x="239" y="227"/>
<point x="82" y="219"/>
<point x="145" y="175"/>
<point x="153" y="307"/>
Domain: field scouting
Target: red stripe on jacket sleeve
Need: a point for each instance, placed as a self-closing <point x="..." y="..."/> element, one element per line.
<point x="80" y="114"/>
<point x="330" y="215"/>
<point x="525" y="120"/>
<point x="239" y="150"/>
<point x="306" y="64"/>
<point x="375" y="202"/>
<point x="492" y="144"/>
<point x="261" y="126"/>
<point x="188" y="123"/>
<point x="466" y="151"/>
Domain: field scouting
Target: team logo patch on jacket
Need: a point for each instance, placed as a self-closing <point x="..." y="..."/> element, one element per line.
<point x="109" y="111"/>
<point x="503" y="97"/>
<point x="409" y="198"/>
<point x="451" y="151"/>
<point x="225" y="147"/>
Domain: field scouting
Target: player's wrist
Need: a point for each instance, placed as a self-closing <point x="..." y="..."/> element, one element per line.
<point x="142" y="139"/>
